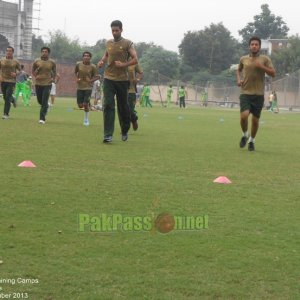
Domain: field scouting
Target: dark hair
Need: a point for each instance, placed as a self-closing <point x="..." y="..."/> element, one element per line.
<point x="255" y="38"/>
<point x="87" y="52"/>
<point x="10" y="47"/>
<point x="116" y="23"/>
<point x="45" y="48"/>
<point x="22" y="66"/>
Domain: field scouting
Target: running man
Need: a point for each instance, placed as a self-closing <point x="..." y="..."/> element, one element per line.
<point x="86" y="73"/>
<point x="250" y="77"/>
<point x="44" y="71"/>
<point x="135" y="76"/>
<point x="118" y="51"/>
<point x="9" y="68"/>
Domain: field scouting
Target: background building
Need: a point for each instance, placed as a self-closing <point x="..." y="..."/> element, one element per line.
<point x="16" y="27"/>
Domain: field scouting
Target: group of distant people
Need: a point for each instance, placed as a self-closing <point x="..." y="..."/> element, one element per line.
<point x="121" y="76"/>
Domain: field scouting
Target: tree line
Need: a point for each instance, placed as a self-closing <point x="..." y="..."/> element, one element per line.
<point x="204" y="55"/>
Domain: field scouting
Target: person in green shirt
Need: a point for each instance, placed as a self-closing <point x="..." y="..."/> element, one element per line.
<point x="274" y="104"/>
<point x="182" y="94"/>
<point x="250" y="77"/>
<point x="21" y="85"/>
<point x="169" y="95"/>
<point x="27" y="91"/>
<point x="146" y="96"/>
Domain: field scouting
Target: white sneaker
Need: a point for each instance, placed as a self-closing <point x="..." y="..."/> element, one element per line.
<point x="4" y="117"/>
<point x="86" y="122"/>
<point x="42" y="122"/>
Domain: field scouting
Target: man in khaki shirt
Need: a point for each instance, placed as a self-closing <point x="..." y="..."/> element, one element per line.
<point x="250" y="77"/>
<point x="44" y="71"/>
<point x="118" y="51"/>
<point x="86" y="73"/>
<point x="9" y="68"/>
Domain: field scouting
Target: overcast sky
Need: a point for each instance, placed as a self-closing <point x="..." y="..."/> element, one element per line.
<point x="163" y="22"/>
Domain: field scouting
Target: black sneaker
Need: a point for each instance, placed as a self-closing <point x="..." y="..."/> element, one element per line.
<point x="107" y="139"/>
<point x="251" y="146"/>
<point x="135" y="125"/>
<point x="243" y="142"/>
<point x="124" y="137"/>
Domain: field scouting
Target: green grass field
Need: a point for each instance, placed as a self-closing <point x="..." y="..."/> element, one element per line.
<point x="250" y="250"/>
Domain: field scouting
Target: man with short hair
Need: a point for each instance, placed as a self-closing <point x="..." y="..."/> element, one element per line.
<point x="86" y="73"/>
<point x="250" y="77"/>
<point x="44" y="71"/>
<point x="118" y="51"/>
<point x="9" y="69"/>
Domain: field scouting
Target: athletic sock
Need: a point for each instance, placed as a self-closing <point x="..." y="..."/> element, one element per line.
<point x="251" y="139"/>
<point x="86" y="115"/>
<point x="246" y="134"/>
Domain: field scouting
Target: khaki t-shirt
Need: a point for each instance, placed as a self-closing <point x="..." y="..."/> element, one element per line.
<point x="253" y="77"/>
<point x="85" y="73"/>
<point x="46" y="71"/>
<point x="117" y="51"/>
<point x="132" y="70"/>
<point x="8" y="66"/>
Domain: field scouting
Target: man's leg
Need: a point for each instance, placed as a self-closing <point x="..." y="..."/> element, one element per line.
<point x="8" y="97"/>
<point x="257" y="104"/>
<point x="244" y="120"/>
<point x="133" y="115"/>
<point x="45" y="93"/>
<point x="244" y="114"/>
<point x="86" y="106"/>
<point x="244" y="126"/>
<point x="7" y="101"/>
<point x="254" y="126"/>
<point x="123" y="107"/>
<point x="39" y="94"/>
<point x="108" y="108"/>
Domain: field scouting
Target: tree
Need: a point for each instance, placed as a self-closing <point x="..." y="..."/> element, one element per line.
<point x="212" y="49"/>
<point x="158" y="60"/>
<point x="287" y="60"/>
<point x="37" y="44"/>
<point x="63" y="48"/>
<point x="97" y="50"/>
<point x="265" y="26"/>
<point x="142" y="47"/>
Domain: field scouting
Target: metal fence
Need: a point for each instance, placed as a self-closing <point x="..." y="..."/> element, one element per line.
<point x="214" y="93"/>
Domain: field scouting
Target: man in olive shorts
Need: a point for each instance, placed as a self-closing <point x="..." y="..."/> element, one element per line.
<point x="86" y="73"/>
<point x="250" y="77"/>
